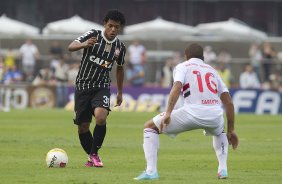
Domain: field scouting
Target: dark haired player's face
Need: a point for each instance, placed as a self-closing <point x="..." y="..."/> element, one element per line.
<point x="111" y="29"/>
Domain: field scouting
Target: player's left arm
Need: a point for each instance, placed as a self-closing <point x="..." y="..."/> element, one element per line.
<point x="120" y="76"/>
<point x="229" y="108"/>
<point x="230" y="114"/>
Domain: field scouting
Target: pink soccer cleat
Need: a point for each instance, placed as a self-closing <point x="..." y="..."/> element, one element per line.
<point x="96" y="160"/>
<point x="89" y="164"/>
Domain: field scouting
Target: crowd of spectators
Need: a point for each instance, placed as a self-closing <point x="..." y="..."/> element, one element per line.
<point x="258" y="71"/>
<point x="21" y="67"/>
<point x="135" y="71"/>
<point x="264" y="67"/>
<point x="262" y="70"/>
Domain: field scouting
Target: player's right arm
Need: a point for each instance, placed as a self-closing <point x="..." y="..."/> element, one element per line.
<point x="76" y="45"/>
<point x="172" y="99"/>
<point x="229" y="109"/>
<point x="88" y="39"/>
<point x="178" y="77"/>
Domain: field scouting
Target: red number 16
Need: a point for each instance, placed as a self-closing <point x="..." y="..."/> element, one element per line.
<point x="207" y="80"/>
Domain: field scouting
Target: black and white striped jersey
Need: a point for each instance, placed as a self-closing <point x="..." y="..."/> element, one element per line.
<point x="97" y="61"/>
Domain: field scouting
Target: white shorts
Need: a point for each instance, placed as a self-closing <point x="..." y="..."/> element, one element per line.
<point x="181" y="120"/>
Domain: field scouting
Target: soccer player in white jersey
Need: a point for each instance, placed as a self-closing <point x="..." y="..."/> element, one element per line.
<point x="204" y="94"/>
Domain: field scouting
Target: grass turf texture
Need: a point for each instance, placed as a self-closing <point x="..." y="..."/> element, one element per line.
<point x="26" y="136"/>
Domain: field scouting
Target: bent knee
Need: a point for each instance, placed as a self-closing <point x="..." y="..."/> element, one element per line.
<point x="100" y="115"/>
<point x="83" y="128"/>
<point x="100" y="119"/>
<point x="151" y="124"/>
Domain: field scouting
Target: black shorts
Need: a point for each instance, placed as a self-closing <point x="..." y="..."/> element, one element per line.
<point x="85" y="101"/>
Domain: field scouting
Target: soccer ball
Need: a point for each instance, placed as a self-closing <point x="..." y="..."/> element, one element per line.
<point x="56" y="158"/>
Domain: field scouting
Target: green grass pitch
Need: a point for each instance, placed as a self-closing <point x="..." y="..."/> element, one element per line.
<point x="26" y="136"/>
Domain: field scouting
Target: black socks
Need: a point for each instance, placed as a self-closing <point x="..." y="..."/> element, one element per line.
<point x="98" y="138"/>
<point x="86" y="141"/>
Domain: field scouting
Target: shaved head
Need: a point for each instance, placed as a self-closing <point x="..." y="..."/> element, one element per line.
<point x="194" y="51"/>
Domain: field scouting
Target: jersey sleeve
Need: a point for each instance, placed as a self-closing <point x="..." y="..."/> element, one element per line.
<point x="86" y="36"/>
<point x="178" y="74"/>
<point x="120" y="59"/>
<point x="221" y="86"/>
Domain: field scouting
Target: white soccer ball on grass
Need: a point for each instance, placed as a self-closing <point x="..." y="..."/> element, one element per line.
<point x="56" y="157"/>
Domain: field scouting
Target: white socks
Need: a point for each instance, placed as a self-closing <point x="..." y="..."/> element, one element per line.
<point x="151" y="146"/>
<point x="220" y="145"/>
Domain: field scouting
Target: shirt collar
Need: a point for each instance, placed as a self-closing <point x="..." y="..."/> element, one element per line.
<point x="103" y="35"/>
<point x="196" y="60"/>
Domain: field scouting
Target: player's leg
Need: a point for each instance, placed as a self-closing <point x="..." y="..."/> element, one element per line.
<point x="86" y="140"/>
<point x="151" y="139"/>
<point x="85" y="137"/>
<point x="99" y="134"/>
<point x="150" y="147"/>
<point x="100" y="129"/>
<point x="100" y="103"/>
<point x="220" y="145"/>
<point x="83" y="117"/>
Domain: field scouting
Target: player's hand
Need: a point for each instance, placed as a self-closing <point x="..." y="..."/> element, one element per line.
<point x="233" y="139"/>
<point x="90" y="42"/>
<point x="165" y="121"/>
<point x="119" y="99"/>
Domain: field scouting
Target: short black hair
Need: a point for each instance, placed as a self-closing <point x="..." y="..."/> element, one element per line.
<point x="115" y="15"/>
<point x="194" y="51"/>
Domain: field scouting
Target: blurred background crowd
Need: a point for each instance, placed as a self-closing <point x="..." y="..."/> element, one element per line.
<point x="260" y="70"/>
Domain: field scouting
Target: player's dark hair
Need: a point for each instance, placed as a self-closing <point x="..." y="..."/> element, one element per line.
<point x="194" y="51"/>
<point x="115" y="15"/>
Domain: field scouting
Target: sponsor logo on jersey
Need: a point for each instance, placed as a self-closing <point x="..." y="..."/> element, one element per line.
<point x="101" y="62"/>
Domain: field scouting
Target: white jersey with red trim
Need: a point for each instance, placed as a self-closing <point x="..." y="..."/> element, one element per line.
<point x="202" y="87"/>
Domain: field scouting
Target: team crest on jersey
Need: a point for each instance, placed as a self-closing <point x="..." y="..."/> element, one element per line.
<point x="108" y="47"/>
<point x="117" y="51"/>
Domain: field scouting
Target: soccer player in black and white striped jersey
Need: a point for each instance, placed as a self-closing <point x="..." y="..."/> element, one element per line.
<point x="101" y="49"/>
